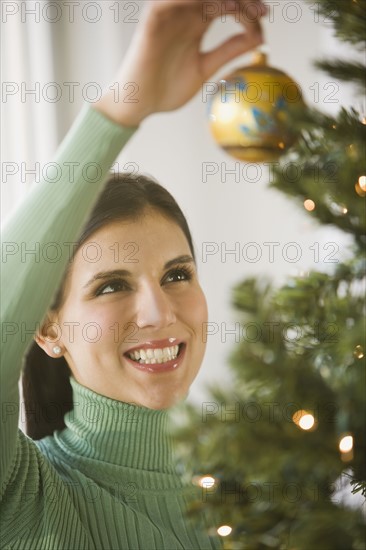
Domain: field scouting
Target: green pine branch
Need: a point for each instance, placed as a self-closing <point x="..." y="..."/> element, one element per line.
<point x="348" y="18"/>
<point x="346" y="71"/>
<point x="325" y="166"/>
<point x="275" y="482"/>
<point x="302" y="357"/>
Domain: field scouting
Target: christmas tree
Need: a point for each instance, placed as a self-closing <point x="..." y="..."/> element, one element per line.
<point x="274" y="450"/>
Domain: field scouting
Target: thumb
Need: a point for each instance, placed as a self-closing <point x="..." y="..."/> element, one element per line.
<point x="234" y="46"/>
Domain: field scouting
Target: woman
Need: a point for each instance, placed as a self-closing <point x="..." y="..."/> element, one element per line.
<point x="108" y="480"/>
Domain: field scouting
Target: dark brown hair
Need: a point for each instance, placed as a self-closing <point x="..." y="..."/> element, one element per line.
<point x="46" y="385"/>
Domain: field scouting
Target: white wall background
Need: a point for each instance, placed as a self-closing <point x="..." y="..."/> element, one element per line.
<point x="172" y="147"/>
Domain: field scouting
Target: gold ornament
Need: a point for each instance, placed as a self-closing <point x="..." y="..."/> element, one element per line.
<point x="249" y="112"/>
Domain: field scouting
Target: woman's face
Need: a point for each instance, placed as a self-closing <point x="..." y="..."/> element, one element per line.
<point x="133" y="289"/>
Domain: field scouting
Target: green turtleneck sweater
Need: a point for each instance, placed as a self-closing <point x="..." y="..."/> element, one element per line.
<point x="109" y="479"/>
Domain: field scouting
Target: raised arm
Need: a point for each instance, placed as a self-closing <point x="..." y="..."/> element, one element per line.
<point x="165" y="62"/>
<point x="36" y="247"/>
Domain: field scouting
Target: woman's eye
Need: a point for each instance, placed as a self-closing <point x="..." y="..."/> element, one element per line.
<point x="112" y="287"/>
<point x="178" y="275"/>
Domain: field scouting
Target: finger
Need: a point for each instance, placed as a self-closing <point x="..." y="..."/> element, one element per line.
<point x="231" y="48"/>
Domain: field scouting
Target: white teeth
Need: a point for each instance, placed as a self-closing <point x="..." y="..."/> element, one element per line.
<point x="153" y="356"/>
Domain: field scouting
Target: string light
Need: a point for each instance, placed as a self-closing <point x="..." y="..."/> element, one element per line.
<point x="307" y="422"/>
<point x="224" y="530"/>
<point x="359" y="190"/>
<point x="206" y="482"/>
<point x="304" y="420"/>
<point x="346" y="444"/>
<point x="346" y="447"/>
<point x="309" y="205"/>
<point x="362" y="182"/>
<point x="358" y="352"/>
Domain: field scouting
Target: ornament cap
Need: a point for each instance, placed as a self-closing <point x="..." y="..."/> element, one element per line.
<point x="259" y="58"/>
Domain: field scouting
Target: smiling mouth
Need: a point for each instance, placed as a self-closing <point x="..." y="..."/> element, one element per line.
<point x="155" y="356"/>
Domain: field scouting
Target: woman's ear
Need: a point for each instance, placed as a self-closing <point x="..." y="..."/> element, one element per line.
<point x="49" y="336"/>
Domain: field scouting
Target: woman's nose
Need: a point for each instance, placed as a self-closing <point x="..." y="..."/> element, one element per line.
<point x="154" y="308"/>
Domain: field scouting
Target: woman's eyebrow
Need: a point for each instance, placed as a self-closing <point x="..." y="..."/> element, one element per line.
<point x="107" y="275"/>
<point x="125" y="273"/>
<point x="185" y="259"/>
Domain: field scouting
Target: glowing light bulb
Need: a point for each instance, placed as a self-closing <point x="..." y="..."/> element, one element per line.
<point x="358" y="352"/>
<point x="304" y="420"/>
<point x="359" y="190"/>
<point x="362" y="182"/>
<point x="206" y="482"/>
<point x="224" y="530"/>
<point x="309" y="205"/>
<point x="346" y="444"/>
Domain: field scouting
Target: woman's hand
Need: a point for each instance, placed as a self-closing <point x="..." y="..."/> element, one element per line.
<point x="164" y="66"/>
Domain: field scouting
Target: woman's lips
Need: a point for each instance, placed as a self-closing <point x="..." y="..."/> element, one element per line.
<point x="170" y="365"/>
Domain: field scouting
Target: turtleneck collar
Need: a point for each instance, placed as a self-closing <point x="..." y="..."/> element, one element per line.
<point x="118" y="433"/>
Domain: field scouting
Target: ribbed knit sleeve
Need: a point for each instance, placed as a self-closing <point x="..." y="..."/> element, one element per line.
<point x="36" y="244"/>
